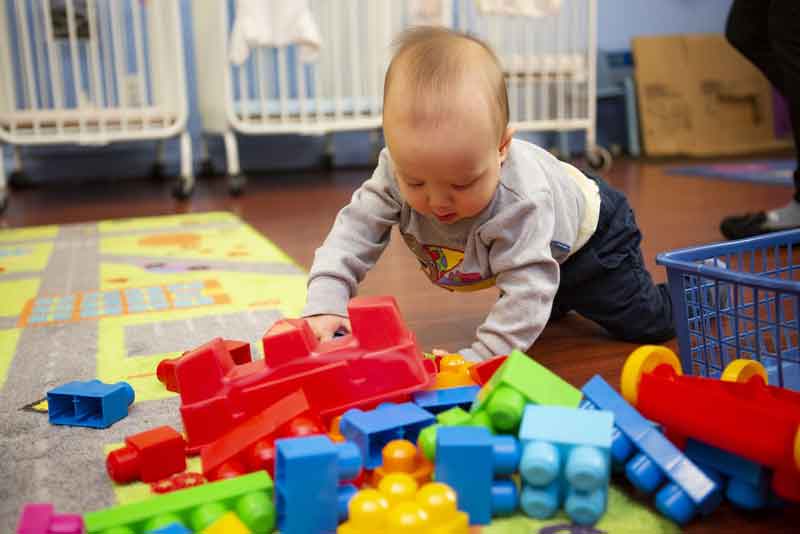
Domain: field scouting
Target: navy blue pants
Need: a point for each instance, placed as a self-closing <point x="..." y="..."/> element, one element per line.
<point x="606" y="280"/>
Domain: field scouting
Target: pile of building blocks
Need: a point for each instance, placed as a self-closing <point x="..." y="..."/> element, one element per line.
<point x="369" y="409"/>
<point x="397" y="506"/>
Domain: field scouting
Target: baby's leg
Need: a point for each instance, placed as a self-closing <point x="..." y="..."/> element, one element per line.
<point x="606" y="280"/>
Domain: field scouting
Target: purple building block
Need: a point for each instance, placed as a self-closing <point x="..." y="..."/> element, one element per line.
<point x="40" y="519"/>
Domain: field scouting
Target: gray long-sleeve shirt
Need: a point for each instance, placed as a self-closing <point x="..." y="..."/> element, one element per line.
<point x="542" y="211"/>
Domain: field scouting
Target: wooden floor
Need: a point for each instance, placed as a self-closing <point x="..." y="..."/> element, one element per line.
<point x="295" y="210"/>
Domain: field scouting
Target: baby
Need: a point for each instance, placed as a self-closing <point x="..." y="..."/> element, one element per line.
<point x="479" y="209"/>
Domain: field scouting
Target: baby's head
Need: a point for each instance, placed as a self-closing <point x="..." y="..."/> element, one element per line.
<point x="445" y="120"/>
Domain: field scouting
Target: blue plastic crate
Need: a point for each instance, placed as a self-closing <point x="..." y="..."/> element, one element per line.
<point x="747" y="307"/>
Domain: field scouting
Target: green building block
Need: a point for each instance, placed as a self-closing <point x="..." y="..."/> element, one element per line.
<point x="452" y="417"/>
<point x="249" y="496"/>
<point x="519" y="381"/>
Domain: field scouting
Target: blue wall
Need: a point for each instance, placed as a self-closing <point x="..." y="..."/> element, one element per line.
<point x="618" y="21"/>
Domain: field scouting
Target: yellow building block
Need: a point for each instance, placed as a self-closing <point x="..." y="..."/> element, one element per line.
<point x="398" y="507"/>
<point x="227" y="524"/>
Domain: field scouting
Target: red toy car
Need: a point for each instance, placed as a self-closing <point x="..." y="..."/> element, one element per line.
<point x="379" y="362"/>
<point x="739" y="413"/>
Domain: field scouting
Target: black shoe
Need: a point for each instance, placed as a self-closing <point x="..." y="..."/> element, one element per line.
<point x="741" y="226"/>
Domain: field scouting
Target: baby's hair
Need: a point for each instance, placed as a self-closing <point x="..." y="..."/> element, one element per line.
<point x="435" y="58"/>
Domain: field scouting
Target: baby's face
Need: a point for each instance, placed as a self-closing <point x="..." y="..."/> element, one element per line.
<point x="447" y="168"/>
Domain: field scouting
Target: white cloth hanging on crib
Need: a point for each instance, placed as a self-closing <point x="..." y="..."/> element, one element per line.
<point x="274" y="23"/>
<point x="525" y="8"/>
<point x="426" y="12"/>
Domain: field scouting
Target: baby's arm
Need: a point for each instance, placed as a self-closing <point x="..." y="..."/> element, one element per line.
<point x="527" y="277"/>
<point x="358" y="237"/>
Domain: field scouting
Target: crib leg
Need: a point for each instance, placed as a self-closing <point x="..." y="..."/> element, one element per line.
<point x="157" y="170"/>
<point x="206" y="165"/>
<point x="236" y="180"/>
<point x="326" y="162"/>
<point x="184" y="186"/>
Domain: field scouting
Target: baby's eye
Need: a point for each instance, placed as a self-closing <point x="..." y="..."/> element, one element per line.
<point x="462" y="187"/>
<point x="420" y="184"/>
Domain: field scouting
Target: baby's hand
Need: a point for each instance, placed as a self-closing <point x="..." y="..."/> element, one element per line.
<point x="325" y="326"/>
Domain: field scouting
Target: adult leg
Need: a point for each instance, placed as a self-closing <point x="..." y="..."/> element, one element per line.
<point x="767" y="32"/>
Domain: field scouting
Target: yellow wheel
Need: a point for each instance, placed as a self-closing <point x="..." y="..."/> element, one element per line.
<point x="644" y="360"/>
<point x="742" y="370"/>
<point x="797" y="448"/>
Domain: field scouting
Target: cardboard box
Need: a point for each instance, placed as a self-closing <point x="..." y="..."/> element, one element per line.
<point x="698" y="96"/>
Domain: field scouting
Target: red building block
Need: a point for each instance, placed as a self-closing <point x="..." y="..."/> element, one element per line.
<point x="148" y="456"/>
<point x="379" y="362"/>
<point x="483" y="371"/>
<point x="249" y="446"/>
<point x="165" y="372"/>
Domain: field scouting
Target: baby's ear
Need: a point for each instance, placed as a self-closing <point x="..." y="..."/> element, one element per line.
<point x="505" y="143"/>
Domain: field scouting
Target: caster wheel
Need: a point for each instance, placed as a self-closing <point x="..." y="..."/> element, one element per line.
<point x="326" y="162"/>
<point x="599" y="159"/>
<point x="743" y="370"/>
<point x="644" y="360"/>
<point x="19" y="180"/>
<point x="207" y="169"/>
<point x="182" y="189"/>
<point x="236" y="184"/>
<point x="157" y="172"/>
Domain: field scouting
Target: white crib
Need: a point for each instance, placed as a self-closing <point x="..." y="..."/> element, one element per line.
<point x="549" y="62"/>
<point x="92" y="72"/>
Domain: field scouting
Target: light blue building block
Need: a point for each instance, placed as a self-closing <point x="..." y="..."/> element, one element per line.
<point x="91" y="404"/>
<point x="565" y="458"/>
<point x="651" y="461"/>
<point x="440" y="400"/>
<point x="468" y="459"/>
<point x="372" y="430"/>
<point x="308" y="473"/>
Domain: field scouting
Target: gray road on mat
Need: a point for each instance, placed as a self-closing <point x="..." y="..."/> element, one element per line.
<point x="64" y="465"/>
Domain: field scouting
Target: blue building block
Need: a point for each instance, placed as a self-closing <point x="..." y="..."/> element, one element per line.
<point x="308" y="471"/>
<point x="565" y="457"/>
<point x="747" y="484"/>
<point x="372" y="430"/>
<point x="175" y="528"/>
<point x="440" y="400"/>
<point x="91" y="404"/>
<point x="468" y="459"/>
<point x="649" y="458"/>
